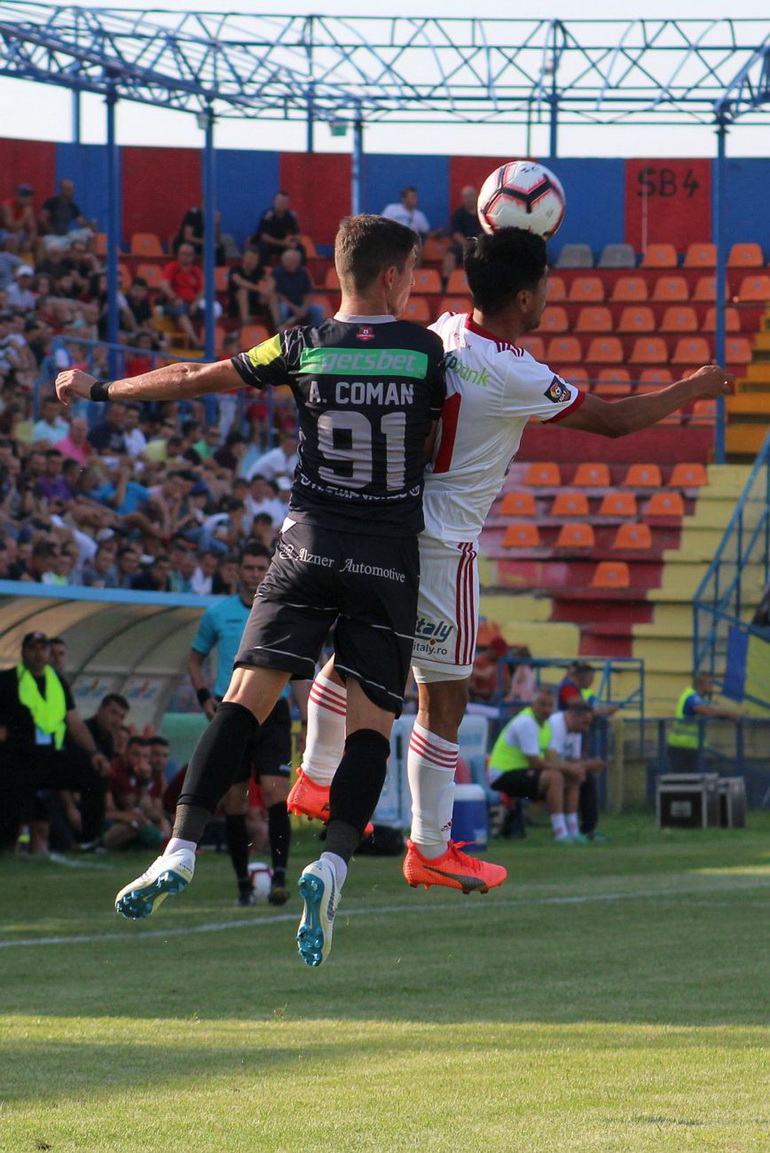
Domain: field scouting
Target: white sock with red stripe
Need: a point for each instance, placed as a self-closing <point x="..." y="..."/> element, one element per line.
<point x="431" y="766"/>
<point x="325" y="742"/>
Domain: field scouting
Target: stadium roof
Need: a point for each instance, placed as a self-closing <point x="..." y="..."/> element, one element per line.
<point x="400" y="69"/>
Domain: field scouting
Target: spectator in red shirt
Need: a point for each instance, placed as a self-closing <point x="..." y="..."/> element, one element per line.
<point x="134" y="800"/>
<point x="182" y="289"/>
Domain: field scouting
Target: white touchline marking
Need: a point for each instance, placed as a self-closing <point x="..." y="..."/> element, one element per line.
<point x="386" y="910"/>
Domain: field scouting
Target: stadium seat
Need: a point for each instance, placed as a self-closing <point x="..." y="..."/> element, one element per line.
<point x="592" y="475"/>
<point x="578" y="534"/>
<point x="617" y="504"/>
<point x="557" y="289"/>
<point x="307" y="242"/>
<point x="100" y="243"/>
<point x="636" y="318"/>
<point x="593" y="318"/>
<point x="679" y="318"/>
<point x="688" y="475"/>
<point x="692" y="350"/>
<point x="732" y="320"/>
<point x="612" y="383"/>
<point x="575" y="374"/>
<point x="665" y="504"/>
<point x="642" y="476"/>
<point x="575" y="256"/>
<point x="587" y="289"/>
<point x="252" y="334"/>
<point x="426" y="281"/>
<point x="705" y="411"/>
<point x="221" y="274"/>
<point x="569" y="503"/>
<point x="322" y="302"/>
<point x="518" y="504"/>
<point x="417" y="310"/>
<point x="605" y="350"/>
<point x="745" y="256"/>
<point x="146" y="244"/>
<point x="738" y="350"/>
<point x="705" y="289"/>
<point x="543" y="474"/>
<point x="457" y="284"/>
<point x="455" y="304"/>
<point x="534" y="345"/>
<point x="755" y="288"/>
<point x="658" y="377"/>
<point x="152" y="273"/>
<point x="331" y="280"/>
<point x="659" y="256"/>
<point x="617" y="256"/>
<point x="522" y="534"/>
<point x="700" y="256"/>
<point x="632" y="536"/>
<point x="629" y="290"/>
<point x="649" y="350"/>
<point x="563" y="349"/>
<point x="670" y="288"/>
<point x="611" y="574"/>
<point x="434" y="249"/>
<point x="554" y="319"/>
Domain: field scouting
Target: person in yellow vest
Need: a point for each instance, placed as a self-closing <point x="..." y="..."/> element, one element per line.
<point x="37" y="711"/>
<point x="522" y="764"/>
<point x="685" y="736"/>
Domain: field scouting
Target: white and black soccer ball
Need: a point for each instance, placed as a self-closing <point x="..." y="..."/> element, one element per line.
<point x="261" y="879"/>
<point x="522" y="194"/>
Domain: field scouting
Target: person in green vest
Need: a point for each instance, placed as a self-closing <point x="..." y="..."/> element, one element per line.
<point x="522" y="764"/>
<point x="37" y="711"/>
<point x="685" y="734"/>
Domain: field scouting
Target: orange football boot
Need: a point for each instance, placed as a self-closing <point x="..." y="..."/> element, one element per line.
<point x="308" y="799"/>
<point x="454" y="869"/>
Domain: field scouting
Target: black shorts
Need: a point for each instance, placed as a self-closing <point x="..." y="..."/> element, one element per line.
<point x="519" y="783"/>
<point x="364" y="587"/>
<point x="269" y="752"/>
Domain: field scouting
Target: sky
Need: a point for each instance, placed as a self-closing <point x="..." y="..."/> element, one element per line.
<point x="32" y="111"/>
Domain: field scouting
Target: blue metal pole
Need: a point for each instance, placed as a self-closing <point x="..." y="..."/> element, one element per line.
<point x="75" y="116"/>
<point x="209" y="239"/>
<point x="113" y="231"/>
<point x="357" y="165"/>
<point x="720" y="241"/>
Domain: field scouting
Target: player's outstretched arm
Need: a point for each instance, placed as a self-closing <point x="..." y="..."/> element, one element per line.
<point x="172" y="382"/>
<point x="620" y="417"/>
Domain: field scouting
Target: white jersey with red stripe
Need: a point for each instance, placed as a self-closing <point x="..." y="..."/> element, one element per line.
<point x="493" y="388"/>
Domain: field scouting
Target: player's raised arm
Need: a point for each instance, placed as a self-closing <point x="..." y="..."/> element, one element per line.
<point x="172" y="382"/>
<point x="620" y="417"/>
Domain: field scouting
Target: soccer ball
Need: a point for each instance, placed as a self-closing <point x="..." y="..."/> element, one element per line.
<point x="261" y="878"/>
<point x="522" y="194"/>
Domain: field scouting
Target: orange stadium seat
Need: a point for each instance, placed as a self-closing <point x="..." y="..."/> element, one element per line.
<point x="639" y="318"/>
<point x="564" y="348"/>
<point x="146" y="244"/>
<point x="705" y="289"/>
<point x="745" y="256"/>
<point x="570" y="503"/>
<point x="543" y="474"/>
<point x="705" y="411"/>
<point x="307" y="242"/>
<point x="554" y="319"/>
<point x="679" y="318"/>
<point x="578" y="534"/>
<point x="605" y="350"/>
<point x="533" y="343"/>
<point x="252" y="334"/>
<point x="331" y="280"/>
<point x="152" y="273"/>
<point x="518" y="504"/>
<point x="221" y="276"/>
<point x="592" y="475"/>
<point x="732" y="320"/>
<point x="738" y="350"/>
<point x="613" y="383"/>
<point x="618" y="504"/>
<point x="522" y="534"/>
<point x="588" y="289"/>
<point x="417" y="310"/>
<point x="426" y="281"/>
<point x="688" y="475"/>
<point x="457" y="284"/>
<point x="434" y="248"/>
<point x="691" y="350"/>
<point x="700" y="256"/>
<point x="649" y="350"/>
<point x="755" y="288"/>
<point x="659" y="256"/>
<point x="557" y="289"/>
<point x="629" y="290"/>
<point x="632" y="536"/>
<point x="611" y="574"/>
<point x="657" y="377"/>
<point x="665" y="504"/>
<point x="455" y="304"/>
<point x="594" y="318"/>
<point x="642" y="476"/>
<point x="670" y="288"/>
<point x="100" y="243"/>
<point x="575" y="374"/>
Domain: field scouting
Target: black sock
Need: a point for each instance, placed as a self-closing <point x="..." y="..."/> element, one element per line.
<point x="279" y="835"/>
<point x="218" y="755"/>
<point x="357" y="784"/>
<point x="238" y="846"/>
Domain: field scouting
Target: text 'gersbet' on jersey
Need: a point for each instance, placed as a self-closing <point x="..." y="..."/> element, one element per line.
<point x="367" y="393"/>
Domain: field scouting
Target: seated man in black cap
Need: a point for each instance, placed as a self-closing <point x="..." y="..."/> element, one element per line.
<point x="37" y="711"/>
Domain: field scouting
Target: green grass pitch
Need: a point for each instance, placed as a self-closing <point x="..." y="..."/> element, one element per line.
<point x="609" y="998"/>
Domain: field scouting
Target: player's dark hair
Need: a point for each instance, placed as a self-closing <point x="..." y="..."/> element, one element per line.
<point x="366" y="245"/>
<point x="500" y="266"/>
<point x="253" y="548"/>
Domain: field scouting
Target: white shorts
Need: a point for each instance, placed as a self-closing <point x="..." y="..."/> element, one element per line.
<point x="447" y="611"/>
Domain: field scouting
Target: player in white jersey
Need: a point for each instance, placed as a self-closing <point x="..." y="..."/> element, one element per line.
<point x="493" y="388"/>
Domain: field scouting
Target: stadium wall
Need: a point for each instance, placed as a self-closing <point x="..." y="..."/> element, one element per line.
<point x="610" y="200"/>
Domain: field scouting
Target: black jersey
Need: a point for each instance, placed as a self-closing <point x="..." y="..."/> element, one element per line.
<point x="367" y="393"/>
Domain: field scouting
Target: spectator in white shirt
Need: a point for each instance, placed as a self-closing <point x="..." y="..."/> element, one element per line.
<point x="406" y="212"/>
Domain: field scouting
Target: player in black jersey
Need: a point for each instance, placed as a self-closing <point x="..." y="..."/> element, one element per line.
<point x="369" y="390"/>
